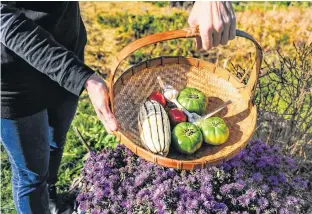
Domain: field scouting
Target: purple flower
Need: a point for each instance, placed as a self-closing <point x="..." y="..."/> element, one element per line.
<point x="257" y="177"/>
<point x="264" y="188"/>
<point x="282" y="177"/>
<point x="263" y="203"/>
<point x="83" y="206"/>
<point x="220" y="206"/>
<point x="235" y="163"/>
<point x="98" y="193"/>
<point x="291" y="201"/>
<point x="96" y="211"/>
<point x="239" y="185"/>
<point x="277" y="190"/>
<point x="299" y="183"/>
<point x="261" y="164"/>
<point x="276" y="204"/>
<point x="201" y="211"/>
<point x="250" y="193"/>
<point x="239" y="173"/>
<point x="273" y="180"/>
<point x="193" y="204"/>
<point x="284" y="211"/>
<point x="227" y="166"/>
<point x="243" y="200"/>
<point x="141" y="179"/>
<point x="249" y="159"/>
<point x="290" y="163"/>
<point x="226" y="188"/>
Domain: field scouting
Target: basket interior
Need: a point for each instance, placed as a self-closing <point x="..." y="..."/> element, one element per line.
<point x="137" y="83"/>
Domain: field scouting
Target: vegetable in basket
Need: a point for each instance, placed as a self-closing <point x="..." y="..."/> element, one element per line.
<point x="214" y="130"/>
<point x="193" y="100"/>
<point x="159" y="97"/>
<point x="176" y="116"/>
<point x="186" y="138"/>
<point x="154" y="127"/>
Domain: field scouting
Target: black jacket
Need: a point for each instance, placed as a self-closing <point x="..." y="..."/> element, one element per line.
<point x="42" y="46"/>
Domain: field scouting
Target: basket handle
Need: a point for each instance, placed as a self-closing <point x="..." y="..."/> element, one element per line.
<point x="176" y="34"/>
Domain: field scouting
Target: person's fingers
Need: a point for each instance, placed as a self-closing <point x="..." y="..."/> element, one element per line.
<point x="217" y="25"/>
<point x="226" y="31"/>
<point x="192" y="20"/>
<point x="232" y="30"/>
<point x="225" y="35"/>
<point x="101" y="118"/>
<point x="106" y="122"/>
<point x="198" y="43"/>
<point x="111" y="121"/>
<point x="193" y="23"/>
<point x="216" y="38"/>
<point x="108" y="117"/>
<point x="206" y="36"/>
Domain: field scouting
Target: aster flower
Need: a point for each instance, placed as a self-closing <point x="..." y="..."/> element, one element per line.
<point x="227" y="166"/>
<point x="285" y="211"/>
<point x="257" y="177"/>
<point x="225" y="189"/>
<point x="273" y="180"/>
<point x="299" y="183"/>
<point x="251" y="193"/>
<point x="291" y="201"/>
<point x="83" y="206"/>
<point x="261" y="164"/>
<point x="281" y="177"/>
<point x="95" y="211"/>
<point x="263" y="203"/>
<point x="243" y="200"/>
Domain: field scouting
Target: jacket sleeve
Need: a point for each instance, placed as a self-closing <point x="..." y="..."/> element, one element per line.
<point x="38" y="48"/>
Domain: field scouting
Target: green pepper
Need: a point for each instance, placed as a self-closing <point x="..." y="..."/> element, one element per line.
<point x="214" y="130"/>
<point x="193" y="100"/>
<point x="186" y="138"/>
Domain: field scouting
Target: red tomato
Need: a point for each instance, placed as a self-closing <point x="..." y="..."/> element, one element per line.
<point x="176" y="116"/>
<point x="158" y="97"/>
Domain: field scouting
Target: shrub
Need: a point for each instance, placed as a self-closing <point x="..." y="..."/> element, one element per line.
<point x="259" y="180"/>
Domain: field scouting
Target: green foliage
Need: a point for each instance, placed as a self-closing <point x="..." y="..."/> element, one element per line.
<point x="160" y="3"/>
<point x="7" y="205"/>
<point x="269" y="5"/>
<point x="141" y="25"/>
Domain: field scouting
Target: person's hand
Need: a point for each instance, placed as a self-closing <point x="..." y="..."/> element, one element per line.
<point x="216" y="21"/>
<point x="98" y="94"/>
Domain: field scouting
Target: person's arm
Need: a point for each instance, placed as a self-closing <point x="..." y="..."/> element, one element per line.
<point x="216" y="21"/>
<point x="38" y="48"/>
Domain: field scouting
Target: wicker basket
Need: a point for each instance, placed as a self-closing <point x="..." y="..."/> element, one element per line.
<point x="132" y="87"/>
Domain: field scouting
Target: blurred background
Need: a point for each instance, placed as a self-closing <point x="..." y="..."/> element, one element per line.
<point x="283" y="29"/>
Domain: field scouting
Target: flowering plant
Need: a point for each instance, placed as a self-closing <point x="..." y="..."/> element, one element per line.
<point x="258" y="180"/>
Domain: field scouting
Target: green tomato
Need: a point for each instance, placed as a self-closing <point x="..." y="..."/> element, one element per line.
<point x="193" y="100"/>
<point x="214" y="130"/>
<point x="186" y="138"/>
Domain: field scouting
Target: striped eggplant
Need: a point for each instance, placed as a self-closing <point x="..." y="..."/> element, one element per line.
<point x="154" y="127"/>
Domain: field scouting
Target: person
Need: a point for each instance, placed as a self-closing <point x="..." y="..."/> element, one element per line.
<point x="43" y="74"/>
